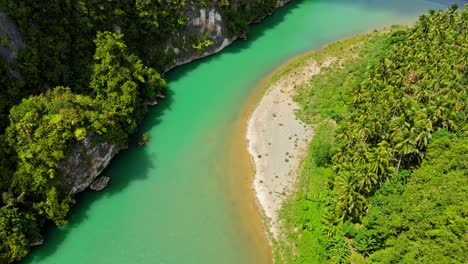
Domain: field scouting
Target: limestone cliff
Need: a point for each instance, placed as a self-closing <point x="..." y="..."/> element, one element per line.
<point x="85" y="162"/>
<point x="10" y="39"/>
<point x="206" y="23"/>
<point x="10" y="43"/>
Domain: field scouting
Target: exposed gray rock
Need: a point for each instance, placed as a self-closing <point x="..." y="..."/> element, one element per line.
<point x="207" y="23"/>
<point x="151" y="102"/>
<point x="85" y="163"/>
<point x="282" y="3"/>
<point x="39" y="240"/>
<point x="9" y="31"/>
<point x="100" y="183"/>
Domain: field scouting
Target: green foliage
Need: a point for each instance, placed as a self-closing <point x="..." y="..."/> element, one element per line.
<point x="401" y="102"/>
<point x="118" y="78"/>
<point x="113" y="81"/>
<point x="323" y="96"/>
<point x="53" y="207"/>
<point x="41" y="131"/>
<point x="395" y="105"/>
<point x="144" y="139"/>
<point x="16" y="228"/>
<point x="427" y="221"/>
<point x="53" y="54"/>
<point x="44" y="128"/>
<point x="200" y="45"/>
<point x="306" y="241"/>
<point x="108" y="88"/>
<point x="59" y="47"/>
<point x="161" y="14"/>
<point x="8" y="159"/>
<point x="309" y="236"/>
<point x="4" y="41"/>
<point x="323" y="143"/>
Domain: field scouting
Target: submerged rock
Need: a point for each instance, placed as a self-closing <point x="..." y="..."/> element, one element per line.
<point x="87" y="160"/>
<point x="151" y="102"/>
<point x="39" y="240"/>
<point x="100" y="183"/>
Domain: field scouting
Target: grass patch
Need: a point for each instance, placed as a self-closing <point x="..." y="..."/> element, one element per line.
<point x="344" y="50"/>
<point x="323" y="96"/>
<point x="304" y="240"/>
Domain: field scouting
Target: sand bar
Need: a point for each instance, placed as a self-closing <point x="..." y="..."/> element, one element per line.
<point x="277" y="142"/>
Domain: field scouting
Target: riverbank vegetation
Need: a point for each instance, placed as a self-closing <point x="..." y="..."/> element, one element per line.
<point x="385" y="179"/>
<point x="84" y="73"/>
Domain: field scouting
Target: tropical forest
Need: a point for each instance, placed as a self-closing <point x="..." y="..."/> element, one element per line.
<point x="390" y="154"/>
<point x="233" y="131"/>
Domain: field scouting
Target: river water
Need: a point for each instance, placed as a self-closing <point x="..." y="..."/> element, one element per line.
<point x="175" y="200"/>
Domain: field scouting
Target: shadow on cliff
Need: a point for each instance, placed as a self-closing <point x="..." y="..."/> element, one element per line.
<point x="121" y="174"/>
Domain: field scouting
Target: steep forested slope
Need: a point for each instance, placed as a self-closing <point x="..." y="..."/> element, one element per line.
<point x="375" y="203"/>
<point x="424" y="218"/>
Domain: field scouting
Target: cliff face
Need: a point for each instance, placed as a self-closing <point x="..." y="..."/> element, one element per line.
<point x="88" y="158"/>
<point x="10" y="39"/>
<point x="10" y="43"/>
<point x="206" y="23"/>
<point x="86" y="161"/>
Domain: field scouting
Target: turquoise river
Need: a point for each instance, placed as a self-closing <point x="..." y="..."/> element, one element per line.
<point x="182" y="198"/>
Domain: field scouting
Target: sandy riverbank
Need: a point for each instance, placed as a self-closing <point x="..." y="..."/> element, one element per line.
<point x="277" y="141"/>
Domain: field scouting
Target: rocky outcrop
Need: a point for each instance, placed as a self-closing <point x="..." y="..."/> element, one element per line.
<point x="282" y="3"/>
<point x="207" y="23"/>
<point x="10" y="39"/>
<point x="37" y="241"/>
<point x="86" y="161"/>
<point x="100" y="183"/>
